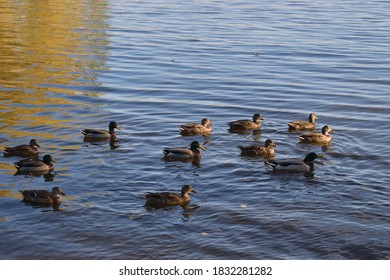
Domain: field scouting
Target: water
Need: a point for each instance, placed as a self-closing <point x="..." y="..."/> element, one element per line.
<point x="153" y="65"/>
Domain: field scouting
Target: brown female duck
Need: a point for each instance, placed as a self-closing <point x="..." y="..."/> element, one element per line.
<point x="164" y="199"/>
<point x="43" y="196"/>
<point x="317" y="138"/>
<point x="246" y="124"/>
<point x="256" y="150"/>
<point x="303" y="125"/>
<point x="190" y="129"/>
<point x="29" y="151"/>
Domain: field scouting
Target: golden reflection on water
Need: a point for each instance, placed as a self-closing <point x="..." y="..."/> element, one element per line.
<point x="47" y="48"/>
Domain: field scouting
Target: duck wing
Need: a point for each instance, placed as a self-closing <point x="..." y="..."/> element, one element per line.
<point x="29" y="163"/>
<point x="178" y="151"/>
<point x="94" y="131"/>
<point x="36" y="195"/>
<point x="313" y="137"/>
<point x="301" y="124"/>
<point x="21" y="150"/>
<point x="162" y="198"/>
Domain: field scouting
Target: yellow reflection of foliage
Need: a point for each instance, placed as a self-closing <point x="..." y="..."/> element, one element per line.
<point x="47" y="49"/>
<point x="8" y="193"/>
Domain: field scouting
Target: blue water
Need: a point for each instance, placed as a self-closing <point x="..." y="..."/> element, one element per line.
<point x="153" y="65"/>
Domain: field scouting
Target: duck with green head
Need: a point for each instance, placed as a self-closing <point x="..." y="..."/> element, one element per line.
<point x="43" y="196"/>
<point x="31" y="150"/>
<point x="184" y="153"/>
<point x="191" y="129"/>
<point x="35" y="165"/>
<point x="317" y="138"/>
<point x="256" y="150"/>
<point x="295" y="164"/>
<point x="165" y="199"/>
<point x="302" y="124"/>
<point x="100" y="134"/>
<point x="246" y="124"/>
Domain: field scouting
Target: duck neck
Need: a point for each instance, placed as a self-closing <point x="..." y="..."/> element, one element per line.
<point x="311" y="166"/>
<point x="185" y="196"/>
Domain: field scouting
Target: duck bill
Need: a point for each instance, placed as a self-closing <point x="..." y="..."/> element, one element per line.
<point x="117" y="127"/>
<point x="63" y="193"/>
<point x="202" y="148"/>
<point x="194" y="191"/>
<point x="52" y="160"/>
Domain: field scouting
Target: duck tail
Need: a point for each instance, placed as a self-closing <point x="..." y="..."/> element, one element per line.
<point x="271" y="163"/>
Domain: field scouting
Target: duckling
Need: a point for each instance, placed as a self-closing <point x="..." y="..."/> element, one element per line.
<point x="29" y="151"/>
<point x="195" y="129"/>
<point x="317" y="138"/>
<point x="164" y="199"/>
<point x="100" y="134"/>
<point x="35" y="165"/>
<point x="184" y="153"/>
<point x="246" y="124"/>
<point x="256" y="150"/>
<point x="43" y="196"/>
<point x="295" y="164"/>
<point x="303" y="125"/>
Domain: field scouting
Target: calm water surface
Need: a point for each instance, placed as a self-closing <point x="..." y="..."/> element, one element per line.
<point x="152" y="65"/>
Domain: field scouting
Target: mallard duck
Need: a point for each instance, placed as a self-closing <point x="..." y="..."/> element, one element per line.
<point x="184" y="153"/>
<point x="43" y="196"/>
<point x="317" y="138"/>
<point x="295" y="164"/>
<point x="266" y="150"/>
<point x="30" y="150"/>
<point x="303" y="125"/>
<point x="164" y="199"/>
<point x="35" y="165"/>
<point x="195" y="128"/>
<point x="100" y="134"/>
<point x="246" y="124"/>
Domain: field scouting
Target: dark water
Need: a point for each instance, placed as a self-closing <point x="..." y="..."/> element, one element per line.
<point x="152" y="65"/>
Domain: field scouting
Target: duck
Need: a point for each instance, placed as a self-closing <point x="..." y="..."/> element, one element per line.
<point x="43" y="196"/>
<point x="246" y="124"/>
<point x="303" y="125"/>
<point x="295" y="164"/>
<point x="317" y="138"/>
<point x="35" y="165"/>
<point x="164" y="199"/>
<point x="100" y="134"/>
<point x="29" y="151"/>
<point x="267" y="150"/>
<point x="190" y="129"/>
<point x="184" y="153"/>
